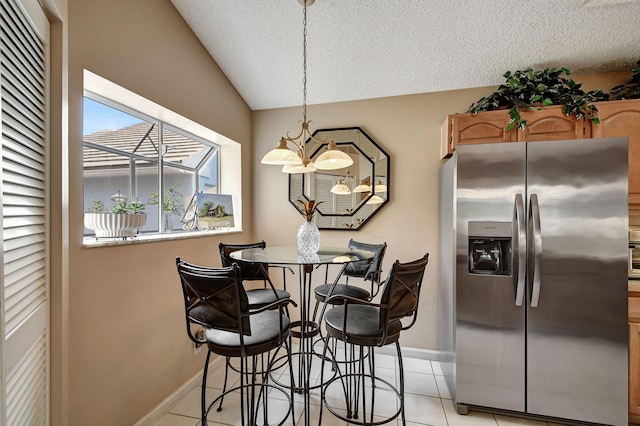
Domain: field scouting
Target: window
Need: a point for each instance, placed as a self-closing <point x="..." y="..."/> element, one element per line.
<point x="129" y="155"/>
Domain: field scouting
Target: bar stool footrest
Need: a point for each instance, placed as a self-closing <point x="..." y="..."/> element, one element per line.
<point x="353" y="418"/>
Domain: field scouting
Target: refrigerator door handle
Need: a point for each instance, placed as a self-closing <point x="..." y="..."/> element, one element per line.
<point x="522" y="249"/>
<point x="537" y="249"/>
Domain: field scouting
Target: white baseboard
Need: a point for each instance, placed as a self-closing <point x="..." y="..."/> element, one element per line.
<point x="426" y="354"/>
<point x="166" y="405"/>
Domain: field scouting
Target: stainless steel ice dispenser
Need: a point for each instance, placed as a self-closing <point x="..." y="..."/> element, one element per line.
<point x="490" y="248"/>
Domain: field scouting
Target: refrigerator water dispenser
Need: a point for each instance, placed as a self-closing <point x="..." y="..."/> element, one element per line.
<point x="490" y="248"/>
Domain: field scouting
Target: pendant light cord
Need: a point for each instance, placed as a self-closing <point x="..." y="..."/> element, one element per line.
<point x="304" y="63"/>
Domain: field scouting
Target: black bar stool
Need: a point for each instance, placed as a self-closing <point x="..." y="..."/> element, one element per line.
<point x="215" y="299"/>
<point x="362" y="325"/>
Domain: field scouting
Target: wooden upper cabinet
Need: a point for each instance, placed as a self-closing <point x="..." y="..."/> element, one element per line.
<point x="546" y="124"/>
<point x="488" y="127"/>
<point x="622" y="118"/>
<point x="467" y="128"/>
<point x="551" y="123"/>
<point x="617" y="118"/>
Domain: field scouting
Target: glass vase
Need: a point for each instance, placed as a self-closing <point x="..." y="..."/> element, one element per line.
<point x="308" y="238"/>
<point x="168" y="221"/>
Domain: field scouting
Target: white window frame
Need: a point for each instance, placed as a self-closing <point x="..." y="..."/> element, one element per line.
<point x="230" y="164"/>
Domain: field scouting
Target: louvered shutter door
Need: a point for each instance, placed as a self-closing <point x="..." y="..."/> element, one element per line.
<point x="24" y="214"/>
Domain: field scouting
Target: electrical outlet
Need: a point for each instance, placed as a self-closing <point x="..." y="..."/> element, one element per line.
<point x="197" y="347"/>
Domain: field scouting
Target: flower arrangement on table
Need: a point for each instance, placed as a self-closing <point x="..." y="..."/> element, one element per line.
<point x="309" y="208"/>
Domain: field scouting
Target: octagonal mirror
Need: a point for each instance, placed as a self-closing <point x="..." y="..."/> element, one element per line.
<point x="350" y="196"/>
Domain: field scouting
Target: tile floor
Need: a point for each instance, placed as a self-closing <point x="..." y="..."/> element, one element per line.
<point x="427" y="400"/>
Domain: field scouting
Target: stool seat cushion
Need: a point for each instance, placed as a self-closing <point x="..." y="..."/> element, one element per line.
<point x="265" y="335"/>
<point x="322" y="291"/>
<point x="362" y="327"/>
<point x="260" y="297"/>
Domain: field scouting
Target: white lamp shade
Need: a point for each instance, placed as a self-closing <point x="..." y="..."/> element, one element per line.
<point x="375" y="200"/>
<point x="280" y="157"/>
<point x="362" y="188"/>
<point x="380" y="188"/>
<point x="331" y="160"/>
<point x="299" y="168"/>
<point x="341" y="189"/>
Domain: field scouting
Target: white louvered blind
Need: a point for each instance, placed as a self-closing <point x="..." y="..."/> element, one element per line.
<point x="322" y="193"/>
<point x="24" y="300"/>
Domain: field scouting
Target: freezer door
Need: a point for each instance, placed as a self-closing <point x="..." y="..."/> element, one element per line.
<point x="577" y="338"/>
<point x="489" y="339"/>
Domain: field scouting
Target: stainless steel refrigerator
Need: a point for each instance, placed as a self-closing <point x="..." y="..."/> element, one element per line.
<point x="533" y="278"/>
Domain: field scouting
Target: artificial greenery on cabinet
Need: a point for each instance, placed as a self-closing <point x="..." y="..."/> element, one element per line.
<point x="629" y="90"/>
<point x="531" y="90"/>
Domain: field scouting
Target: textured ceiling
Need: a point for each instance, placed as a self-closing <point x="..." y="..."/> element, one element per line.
<point x="361" y="49"/>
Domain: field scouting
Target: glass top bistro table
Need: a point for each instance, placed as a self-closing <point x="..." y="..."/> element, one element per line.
<point x="305" y="329"/>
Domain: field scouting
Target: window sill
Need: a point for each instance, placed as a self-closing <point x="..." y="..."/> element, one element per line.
<point x="90" y="242"/>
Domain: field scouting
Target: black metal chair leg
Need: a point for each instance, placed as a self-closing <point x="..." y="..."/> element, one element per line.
<point x="291" y="393"/>
<point x="372" y="368"/>
<point x="348" y="386"/>
<point x="203" y="392"/>
<point x="264" y="380"/>
<point x="315" y="311"/>
<point x="401" y="368"/>
<point x="227" y="361"/>
<point x="372" y="371"/>
<point x="323" y="388"/>
<point x="252" y="412"/>
<point x="361" y="378"/>
<point x="242" y="389"/>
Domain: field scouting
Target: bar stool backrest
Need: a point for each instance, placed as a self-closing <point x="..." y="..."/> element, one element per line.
<point x="248" y="271"/>
<point x="214" y="297"/>
<point x="401" y="292"/>
<point x="365" y="269"/>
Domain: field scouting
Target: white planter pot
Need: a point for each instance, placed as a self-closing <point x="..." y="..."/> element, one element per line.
<point x="107" y="225"/>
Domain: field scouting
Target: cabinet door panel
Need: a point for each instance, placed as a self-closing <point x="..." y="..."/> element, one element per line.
<point x="486" y="127"/>
<point x="622" y="118"/>
<point x="552" y="123"/>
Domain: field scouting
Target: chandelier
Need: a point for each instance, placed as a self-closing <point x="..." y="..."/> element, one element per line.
<point x="298" y="161"/>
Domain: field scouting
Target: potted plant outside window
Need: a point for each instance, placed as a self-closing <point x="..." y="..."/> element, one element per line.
<point x="122" y="220"/>
<point x="172" y="204"/>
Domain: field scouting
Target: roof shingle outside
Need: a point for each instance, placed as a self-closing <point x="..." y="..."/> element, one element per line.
<point x="128" y="138"/>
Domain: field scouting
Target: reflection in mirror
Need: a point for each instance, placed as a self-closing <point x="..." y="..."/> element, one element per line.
<point x="350" y="196"/>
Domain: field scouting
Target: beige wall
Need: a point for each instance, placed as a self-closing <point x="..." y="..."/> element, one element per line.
<point x="408" y="129"/>
<point x="127" y="347"/>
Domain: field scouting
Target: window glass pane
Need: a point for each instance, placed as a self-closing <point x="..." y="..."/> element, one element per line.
<point x="119" y="148"/>
<point x="179" y="188"/>
<point x="208" y="176"/>
<point x="187" y="159"/>
<point x="147" y="181"/>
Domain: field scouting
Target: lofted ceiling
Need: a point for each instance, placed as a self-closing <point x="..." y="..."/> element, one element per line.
<point x="361" y="49"/>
